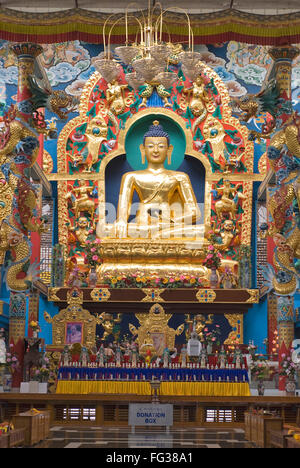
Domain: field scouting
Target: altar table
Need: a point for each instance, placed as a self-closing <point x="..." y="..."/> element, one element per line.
<point x="174" y="382"/>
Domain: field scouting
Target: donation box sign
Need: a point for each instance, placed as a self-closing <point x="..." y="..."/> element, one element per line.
<point x="150" y="415"/>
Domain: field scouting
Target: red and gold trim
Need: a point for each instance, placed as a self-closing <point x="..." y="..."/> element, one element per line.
<point x="216" y="27"/>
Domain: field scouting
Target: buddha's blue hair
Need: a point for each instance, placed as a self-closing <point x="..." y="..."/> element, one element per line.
<point x="156" y="131"/>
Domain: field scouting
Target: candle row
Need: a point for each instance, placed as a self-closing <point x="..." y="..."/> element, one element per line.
<point x="155" y="366"/>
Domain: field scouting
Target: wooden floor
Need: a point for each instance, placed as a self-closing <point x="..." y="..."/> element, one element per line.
<point x="146" y="444"/>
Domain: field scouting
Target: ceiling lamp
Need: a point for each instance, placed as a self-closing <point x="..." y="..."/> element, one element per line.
<point x="147" y="60"/>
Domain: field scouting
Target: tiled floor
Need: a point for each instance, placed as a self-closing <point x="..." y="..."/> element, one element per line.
<point x="114" y="437"/>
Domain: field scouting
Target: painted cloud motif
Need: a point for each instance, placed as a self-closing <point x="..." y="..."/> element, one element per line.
<point x="250" y="74"/>
<point x="212" y="60"/>
<point x="65" y="72"/>
<point x="69" y="52"/>
<point x="296" y="77"/>
<point x="9" y="75"/>
<point x="235" y="89"/>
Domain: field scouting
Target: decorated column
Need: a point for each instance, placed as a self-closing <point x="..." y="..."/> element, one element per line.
<point x="22" y="221"/>
<point x="17" y="321"/>
<point x="283" y="205"/>
<point x="26" y="54"/>
<point x="285" y="320"/>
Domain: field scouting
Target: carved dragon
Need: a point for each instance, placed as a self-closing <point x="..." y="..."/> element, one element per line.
<point x="284" y="149"/>
<point x="58" y="102"/>
<point x="18" y="152"/>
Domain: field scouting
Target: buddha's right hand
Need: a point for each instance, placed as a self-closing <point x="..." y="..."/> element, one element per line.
<point x="121" y="229"/>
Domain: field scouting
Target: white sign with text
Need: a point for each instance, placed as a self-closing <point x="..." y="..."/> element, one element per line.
<point x="145" y="414"/>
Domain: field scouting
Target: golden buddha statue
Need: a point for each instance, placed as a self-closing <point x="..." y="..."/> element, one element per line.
<point x="166" y="214"/>
<point x="167" y="207"/>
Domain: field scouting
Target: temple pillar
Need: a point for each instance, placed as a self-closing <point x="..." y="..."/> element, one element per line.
<point x="26" y="54"/>
<point x="283" y="58"/>
<point x="17" y="323"/>
<point x="33" y="310"/>
<point x="285" y="320"/>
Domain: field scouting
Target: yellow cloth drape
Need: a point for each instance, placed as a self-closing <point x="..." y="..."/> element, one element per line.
<point x="143" y="388"/>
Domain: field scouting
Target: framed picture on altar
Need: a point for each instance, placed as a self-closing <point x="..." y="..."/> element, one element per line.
<point x="159" y="341"/>
<point x="74" y="333"/>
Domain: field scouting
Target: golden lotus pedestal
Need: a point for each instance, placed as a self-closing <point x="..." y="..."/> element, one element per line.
<point x="163" y="257"/>
<point x="153" y="257"/>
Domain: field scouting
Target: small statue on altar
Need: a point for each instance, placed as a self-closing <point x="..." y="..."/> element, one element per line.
<point x="194" y="345"/>
<point x="228" y="279"/>
<point x="183" y="356"/>
<point x="100" y="356"/>
<point x="2" y="347"/>
<point x="148" y="357"/>
<point x="109" y="352"/>
<point x="166" y="357"/>
<point x="74" y="277"/>
<point x="134" y="355"/>
<point x="118" y="355"/>
<point x="238" y="358"/>
<point x="84" y="357"/>
<point x="203" y="358"/>
<point x="127" y="352"/>
<point x="222" y="359"/>
<point x="148" y="344"/>
<point x="65" y="356"/>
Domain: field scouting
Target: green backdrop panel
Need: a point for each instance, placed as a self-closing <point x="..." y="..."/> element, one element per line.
<point x="134" y="139"/>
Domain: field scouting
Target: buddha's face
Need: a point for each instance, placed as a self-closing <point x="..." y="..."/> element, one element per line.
<point x="156" y="149"/>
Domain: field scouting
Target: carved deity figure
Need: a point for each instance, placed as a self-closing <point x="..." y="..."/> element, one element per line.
<point x="229" y="200"/>
<point x="167" y="202"/>
<point x="147" y="345"/>
<point x="228" y="279"/>
<point x="81" y="230"/>
<point x="199" y="98"/>
<point x="214" y="132"/>
<point x="107" y="322"/>
<point x="229" y="235"/>
<point x="284" y="149"/>
<point x="115" y="97"/>
<point x="84" y="356"/>
<point x="166" y="357"/>
<point x="100" y="356"/>
<point x="65" y="356"/>
<point x="81" y="200"/>
<point x="96" y="133"/>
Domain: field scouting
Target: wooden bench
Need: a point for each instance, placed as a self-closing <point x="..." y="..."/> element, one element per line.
<point x="278" y="439"/>
<point x="16" y="437"/>
<point x="4" y="440"/>
<point x="293" y="443"/>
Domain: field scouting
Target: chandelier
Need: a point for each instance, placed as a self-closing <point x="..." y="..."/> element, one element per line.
<point x="148" y="58"/>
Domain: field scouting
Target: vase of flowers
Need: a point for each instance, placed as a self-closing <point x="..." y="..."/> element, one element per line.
<point x="93" y="278"/>
<point x="289" y="369"/>
<point x="92" y="252"/>
<point x="211" y="338"/>
<point x="213" y="261"/>
<point x="139" y="280"/>
<point x="259" y="372"/>
<point x="34" y="325"/>
<point x="12" y="361"/>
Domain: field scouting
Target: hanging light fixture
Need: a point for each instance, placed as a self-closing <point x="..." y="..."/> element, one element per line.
<point x="147" y="60"/>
